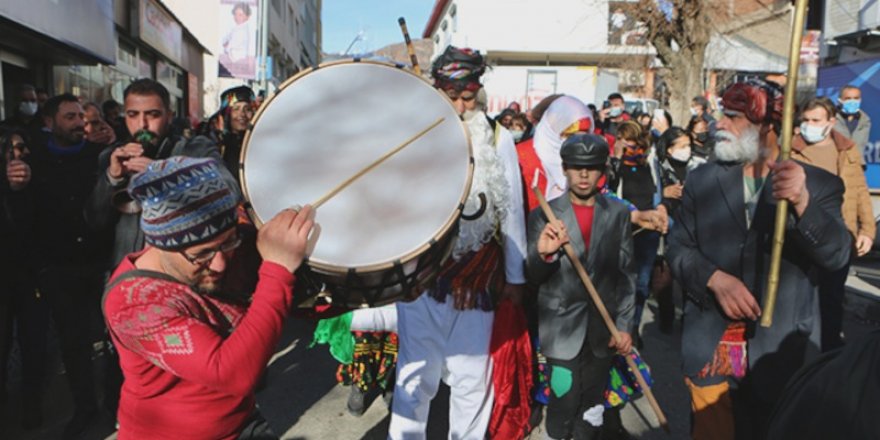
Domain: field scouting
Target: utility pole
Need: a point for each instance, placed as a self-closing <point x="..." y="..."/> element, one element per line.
<point x="264" y="45"/>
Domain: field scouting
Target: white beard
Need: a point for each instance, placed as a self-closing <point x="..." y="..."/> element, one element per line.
<point x="742" y="149"/>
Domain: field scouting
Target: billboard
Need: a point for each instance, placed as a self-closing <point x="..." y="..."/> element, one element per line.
<point x="238" y="39"/>
<point x="866" y="76"/>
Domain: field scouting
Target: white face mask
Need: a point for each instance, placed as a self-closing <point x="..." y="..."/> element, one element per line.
<point x="682" y="154"/>
<point x="517" y="135"/>
<point x="813" y="133"/>
<point x="693" y="111"/>
<point x="27" y="108"/>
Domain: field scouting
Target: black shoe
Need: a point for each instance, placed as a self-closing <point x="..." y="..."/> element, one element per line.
<point x="356" y="399"/>
<point x="80" y="422"/>
<point x="536" y="416"/>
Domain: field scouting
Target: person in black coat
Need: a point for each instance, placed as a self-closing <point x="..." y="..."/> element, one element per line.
<point x="148" y="117"/>
<point x="719" y="250"/>
<point x="573" y="336"/>
<point x="69" y="258"/>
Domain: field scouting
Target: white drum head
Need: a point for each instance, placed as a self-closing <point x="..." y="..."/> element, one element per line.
<point x="327" y="124"/>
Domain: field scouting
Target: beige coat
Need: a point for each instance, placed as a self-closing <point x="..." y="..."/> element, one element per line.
<point x="857" y="212"/>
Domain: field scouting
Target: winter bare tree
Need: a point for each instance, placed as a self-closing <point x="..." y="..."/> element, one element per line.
<point x="680" y="30"/>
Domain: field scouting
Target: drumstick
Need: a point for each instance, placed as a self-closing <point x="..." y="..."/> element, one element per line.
<point x="409" y="46"/>
<point x="597" y="301"/>
<point x="375" y="163"/>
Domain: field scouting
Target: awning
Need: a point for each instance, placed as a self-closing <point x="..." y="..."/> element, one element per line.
<point x="85" y="26"/>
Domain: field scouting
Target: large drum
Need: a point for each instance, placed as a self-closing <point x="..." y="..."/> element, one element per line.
<point x="384" y="237"/>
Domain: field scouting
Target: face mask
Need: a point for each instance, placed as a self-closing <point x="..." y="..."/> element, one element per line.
<point x="851" y="106"/>
<point x="517" y="135"/>
<point x="702" y="137"/>
<point x="693" y="111"/>
<point x="28" y="108"/>
<point x="615" y="111"/>
<point x="682" y="154"/>
<point x="813" y="133"/>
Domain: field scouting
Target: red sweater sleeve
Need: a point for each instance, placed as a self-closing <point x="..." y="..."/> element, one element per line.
<point x="192" y="350"/>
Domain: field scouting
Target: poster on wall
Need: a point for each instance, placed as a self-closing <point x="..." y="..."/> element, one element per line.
<point x="866" y="76"/>
<point x="238" y="39"/>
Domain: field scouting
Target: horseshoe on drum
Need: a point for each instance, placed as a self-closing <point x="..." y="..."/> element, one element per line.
<point x="480" y="212"/>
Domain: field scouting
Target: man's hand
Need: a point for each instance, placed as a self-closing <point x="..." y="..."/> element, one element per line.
<point x="552" y="238"/>
<point x="863" y="244"/>
<point x="119" y="156"/>
<point x="285" y="239"/>
<point x="101" y="134"/>
<point x="137" y="164"/>
<point x="603" y="114"/>
<point x="652" y="219"/>
<point x="790" y="183"/>
<point x="18" y="173"/>
<point x="673" y="191"/>
<point x="624" y="345"/>
<point x="513" y="292"/>
<point x="734" y="298"/>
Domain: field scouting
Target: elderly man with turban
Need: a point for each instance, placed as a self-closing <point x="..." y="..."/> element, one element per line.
<point x="719" y="249"/>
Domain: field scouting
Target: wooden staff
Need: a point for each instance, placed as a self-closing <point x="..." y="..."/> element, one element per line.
<point x="375" y="163"/>
<point x="797" y="33"/>
<point x="409" y="47"/>
<point x="597" y="301"/>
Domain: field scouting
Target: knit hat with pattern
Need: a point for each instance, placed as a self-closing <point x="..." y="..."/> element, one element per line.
<point x="185" y="202"/>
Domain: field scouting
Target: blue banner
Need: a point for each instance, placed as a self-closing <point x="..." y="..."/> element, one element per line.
<point x="866" y="76"/>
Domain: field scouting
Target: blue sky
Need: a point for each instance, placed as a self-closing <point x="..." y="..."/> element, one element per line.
<point x="342" y="20"/>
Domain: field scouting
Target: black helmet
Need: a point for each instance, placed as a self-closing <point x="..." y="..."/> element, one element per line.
<point x="584" y="150"/>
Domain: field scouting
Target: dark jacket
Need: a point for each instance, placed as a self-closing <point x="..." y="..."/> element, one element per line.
<point x="565" y="315"/>
<point x="100" y="212"/>
<point x="710" y="234"/>
<point x="49" y="211"/>
<point x="860" y="135"/>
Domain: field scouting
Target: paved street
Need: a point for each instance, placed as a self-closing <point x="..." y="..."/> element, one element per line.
<point x="303" y="401"/>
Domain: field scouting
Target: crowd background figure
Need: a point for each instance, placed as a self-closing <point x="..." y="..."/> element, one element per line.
<point x="63" y="159"/>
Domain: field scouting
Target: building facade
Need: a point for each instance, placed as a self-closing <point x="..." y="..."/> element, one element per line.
<point x="95" y="48"/>
<point x="587" y="49"/>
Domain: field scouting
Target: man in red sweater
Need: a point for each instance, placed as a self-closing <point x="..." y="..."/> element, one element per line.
<point x="190" y="359"/>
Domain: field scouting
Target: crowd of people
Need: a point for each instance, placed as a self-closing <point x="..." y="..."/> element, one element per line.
<point x="123" y="230"/>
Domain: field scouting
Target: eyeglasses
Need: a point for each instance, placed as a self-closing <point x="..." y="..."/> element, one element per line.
<point x="206" y="256"/>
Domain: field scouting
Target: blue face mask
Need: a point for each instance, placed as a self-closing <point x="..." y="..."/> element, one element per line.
<point x="851" y="106"/>
<point x="615" y="111"/>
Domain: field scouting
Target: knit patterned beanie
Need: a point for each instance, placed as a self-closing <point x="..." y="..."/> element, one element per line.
<point x="185" y="202"/>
